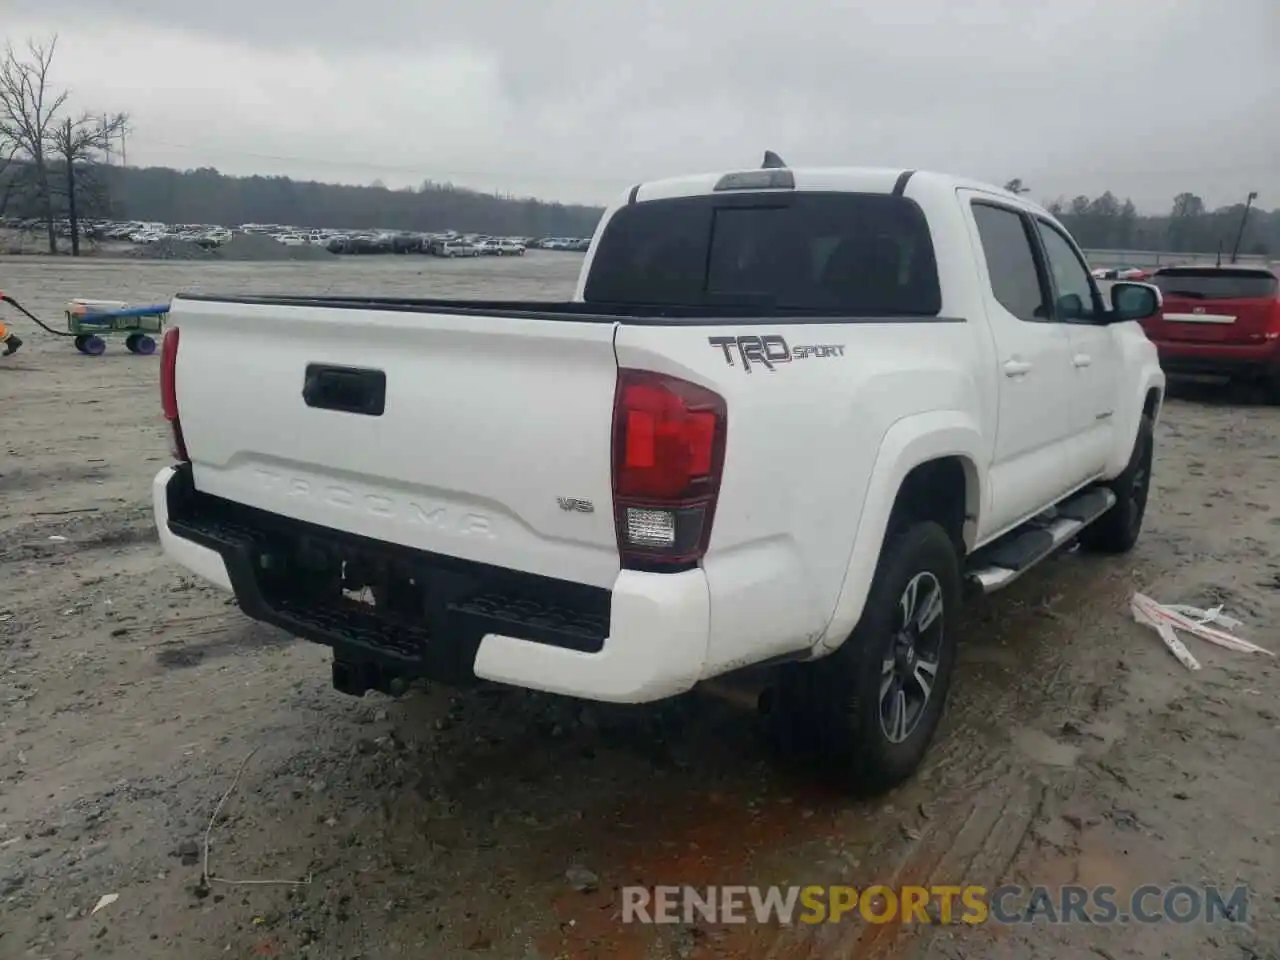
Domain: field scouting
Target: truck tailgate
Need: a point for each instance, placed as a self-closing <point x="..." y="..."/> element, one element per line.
<point x="491" y="443"/>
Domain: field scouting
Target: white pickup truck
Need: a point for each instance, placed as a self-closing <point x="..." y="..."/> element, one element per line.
<point x="786" y="418"/>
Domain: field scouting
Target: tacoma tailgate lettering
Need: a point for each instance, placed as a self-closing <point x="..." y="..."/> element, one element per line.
<point x="432" y="516"/>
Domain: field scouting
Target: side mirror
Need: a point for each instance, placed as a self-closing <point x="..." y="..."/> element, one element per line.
<point x="1134" y="301"/>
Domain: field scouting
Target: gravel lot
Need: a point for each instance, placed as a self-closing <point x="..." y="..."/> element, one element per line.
<point x="449" y="825"/>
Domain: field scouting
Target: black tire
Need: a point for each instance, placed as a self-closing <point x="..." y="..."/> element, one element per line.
<point x="1117" y="530"/>
<point x="839" y="711"/>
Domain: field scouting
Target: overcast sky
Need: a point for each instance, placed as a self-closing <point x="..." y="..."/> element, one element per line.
<point x="578" y="99"/>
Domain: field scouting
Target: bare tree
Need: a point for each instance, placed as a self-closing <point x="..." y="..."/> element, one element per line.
<point x="1016" y="186"/>
<point x="51" y="154"/>
<point x="28" y="116"/>
<point x="78" y="145"/>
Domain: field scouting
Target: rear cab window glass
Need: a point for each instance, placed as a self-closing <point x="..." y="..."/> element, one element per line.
<point x="852" y="254"/>
<point x="1011" y="262"/>
<point x="1217" y="283"/>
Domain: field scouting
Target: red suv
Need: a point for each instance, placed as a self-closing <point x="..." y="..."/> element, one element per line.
<point x="1219" y="321"/>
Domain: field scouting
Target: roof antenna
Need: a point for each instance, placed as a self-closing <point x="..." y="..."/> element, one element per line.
<point x="772" y="161"/>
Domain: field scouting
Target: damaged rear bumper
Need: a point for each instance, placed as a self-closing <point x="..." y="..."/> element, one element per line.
<point x="413" y="614"/>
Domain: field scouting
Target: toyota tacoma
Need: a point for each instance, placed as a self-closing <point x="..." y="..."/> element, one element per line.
<point x="788" y="418"/>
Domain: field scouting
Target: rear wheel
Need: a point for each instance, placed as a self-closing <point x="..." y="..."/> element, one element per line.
<point x="1117" y="530"/>
<point x="868" y="712"/>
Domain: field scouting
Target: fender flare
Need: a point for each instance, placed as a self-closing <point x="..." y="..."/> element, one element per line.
<point x="1152" y="378"/>
<point x="908" y="443"/>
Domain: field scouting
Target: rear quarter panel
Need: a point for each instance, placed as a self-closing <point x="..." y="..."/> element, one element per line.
<point x="804" y="436"/>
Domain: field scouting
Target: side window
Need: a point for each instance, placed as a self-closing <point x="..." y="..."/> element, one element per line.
<point x="1072" y="285"/>
<point x="1015" y="281"/>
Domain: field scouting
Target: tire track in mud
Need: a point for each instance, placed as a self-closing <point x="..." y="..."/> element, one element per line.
<point x="62" y="534"/>
<point x="964" y="819"/>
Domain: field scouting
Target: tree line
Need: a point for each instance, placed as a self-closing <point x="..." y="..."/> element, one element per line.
<point x="1104" y="222"/>
<point x="207" y="196"/>
<point x="1108" y="223"/>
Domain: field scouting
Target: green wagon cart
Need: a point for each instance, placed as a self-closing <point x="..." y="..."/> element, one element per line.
<point x="90" y="321"/>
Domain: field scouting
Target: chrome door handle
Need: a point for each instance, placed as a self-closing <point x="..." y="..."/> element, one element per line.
<point x="1016" y="368"/>
<point x="1082" y="360"/>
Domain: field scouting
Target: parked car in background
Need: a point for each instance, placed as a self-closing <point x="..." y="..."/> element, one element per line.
<point x="405" y="242"/>
<point x="508" y="248"/>
<point x="1139" y="274"/>
<point x="457" y="248"/>
<point x="1221" y="321"/>
<point x="368" y="243"/>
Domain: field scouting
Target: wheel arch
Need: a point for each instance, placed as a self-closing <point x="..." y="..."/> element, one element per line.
<point x="920" y="463"/>
<point x="1145" y="398"/>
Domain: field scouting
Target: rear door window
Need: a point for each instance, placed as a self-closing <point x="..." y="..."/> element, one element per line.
<point x="1217" y="283"/>
<point x="1011" y="261"/>
<point x="852" y="254"/>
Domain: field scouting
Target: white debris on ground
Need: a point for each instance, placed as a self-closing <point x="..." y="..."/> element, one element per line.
<point x="1167" y="619"/>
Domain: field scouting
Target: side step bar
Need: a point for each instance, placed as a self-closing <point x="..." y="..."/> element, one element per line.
<point x="998" y="564"/>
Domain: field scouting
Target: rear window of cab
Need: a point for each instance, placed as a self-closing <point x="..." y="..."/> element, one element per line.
<point x="847" y="253"/>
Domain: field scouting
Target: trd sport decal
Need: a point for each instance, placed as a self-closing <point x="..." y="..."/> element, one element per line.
<point x="770" y="349"/>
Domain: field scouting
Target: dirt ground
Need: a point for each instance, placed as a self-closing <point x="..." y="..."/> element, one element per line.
<point x="498" y="823"/>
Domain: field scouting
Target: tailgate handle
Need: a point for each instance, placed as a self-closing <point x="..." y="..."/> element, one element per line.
<point x="345" y="389"/>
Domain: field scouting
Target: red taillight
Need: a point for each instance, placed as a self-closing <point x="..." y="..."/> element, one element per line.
<point x="169" y="391"/>
<point x="668" y="454"/>
<point x="1273" y="328"/>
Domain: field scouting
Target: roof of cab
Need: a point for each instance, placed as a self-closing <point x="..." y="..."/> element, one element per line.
<point x="827" y="179"/>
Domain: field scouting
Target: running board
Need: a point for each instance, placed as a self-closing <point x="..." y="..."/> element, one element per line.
<point x="998" y="564"/>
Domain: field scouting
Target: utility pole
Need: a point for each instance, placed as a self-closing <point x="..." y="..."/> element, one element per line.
<point x="124" y="157"/>
<point x="1244" y="218"/>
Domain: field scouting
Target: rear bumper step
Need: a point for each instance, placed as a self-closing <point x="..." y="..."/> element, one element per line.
<point x="644" y="640"/>
<point x="409" y="612"/>
<point x="999" y="564"/>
